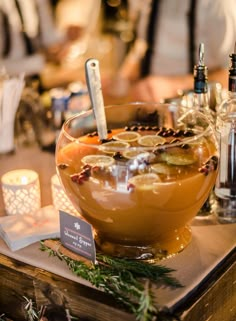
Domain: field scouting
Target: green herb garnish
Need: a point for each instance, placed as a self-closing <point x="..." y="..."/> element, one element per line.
<point x="128" y="281"/>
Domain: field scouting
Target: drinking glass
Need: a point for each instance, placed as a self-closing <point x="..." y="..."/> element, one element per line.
<point x="140" y="187"/>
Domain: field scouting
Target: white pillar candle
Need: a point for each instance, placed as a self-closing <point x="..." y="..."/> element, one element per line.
<point x="21" y="191"/>
<point x="60" y="199"/>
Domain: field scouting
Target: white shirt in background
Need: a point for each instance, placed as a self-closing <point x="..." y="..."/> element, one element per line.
<point x="215" y="27"/>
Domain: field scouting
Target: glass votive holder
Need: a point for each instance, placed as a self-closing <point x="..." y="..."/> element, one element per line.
<point x="59" y="197"/>
<point x="21" y="191"/>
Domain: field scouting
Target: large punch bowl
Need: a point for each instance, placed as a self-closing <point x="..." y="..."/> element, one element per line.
<point x="140" y="187"/>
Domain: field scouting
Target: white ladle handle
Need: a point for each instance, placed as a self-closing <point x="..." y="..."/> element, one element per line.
<point x="95" y="92"/>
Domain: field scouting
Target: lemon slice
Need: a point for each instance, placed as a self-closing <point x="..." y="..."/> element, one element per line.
<point x="129" y="136"/>
<point x="113" y="146"/>
<point x="144" y="181"/>
<point x="98" y="160"/>
<point x="161" y="168"/>
<point x="129" y="154"/>
<point x="151" y="140"/>
<point x="180" y="159"/>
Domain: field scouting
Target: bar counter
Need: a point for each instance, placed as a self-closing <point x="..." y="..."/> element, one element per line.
<point x="207" y="268"/>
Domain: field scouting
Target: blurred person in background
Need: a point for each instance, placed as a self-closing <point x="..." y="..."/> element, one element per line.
<point x="165" y="49"/>
<point x="29" y="36"/>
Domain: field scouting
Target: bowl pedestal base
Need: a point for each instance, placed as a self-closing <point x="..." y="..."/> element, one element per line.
<point x="165" y="248"/>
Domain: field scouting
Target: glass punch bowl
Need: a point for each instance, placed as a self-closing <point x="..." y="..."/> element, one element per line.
<point x="141" y="187"/>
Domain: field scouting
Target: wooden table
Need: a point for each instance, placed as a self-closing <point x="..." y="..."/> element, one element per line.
<point x="214" y="300"/>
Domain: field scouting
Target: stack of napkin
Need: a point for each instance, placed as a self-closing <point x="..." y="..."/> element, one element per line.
<point x="19" y="231"/>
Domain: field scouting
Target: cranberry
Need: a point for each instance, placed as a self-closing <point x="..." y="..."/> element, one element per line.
<point x="118" y="156"/>
<point x="141" y="128"/>
<point x="209" y="166"/>
<point x="130" y="186"/>
<point x="178" y="133"/>
<point x="134" y="128"/>
<point x="188" y="133"/>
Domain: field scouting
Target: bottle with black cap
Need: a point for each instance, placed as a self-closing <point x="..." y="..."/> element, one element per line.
<point x="225" y="188"/>
<point x="201" y="95"/>
<point x="201" y="103"/>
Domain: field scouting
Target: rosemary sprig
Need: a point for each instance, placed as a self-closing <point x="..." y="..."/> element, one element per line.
<point x="30" y="310"/>
<point x="128" y="281"/>
<point x="2" y="317"/>
<point x="155" y="273"/>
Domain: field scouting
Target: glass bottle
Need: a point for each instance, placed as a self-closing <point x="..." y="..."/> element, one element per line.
<point x="225" y="188"/>
<point x="201" y="95"/>
<point x="201" y="103"/>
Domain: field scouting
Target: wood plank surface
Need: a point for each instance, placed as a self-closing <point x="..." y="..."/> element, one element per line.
<point x="44" y="288"/>
<point x="215" y="300"/>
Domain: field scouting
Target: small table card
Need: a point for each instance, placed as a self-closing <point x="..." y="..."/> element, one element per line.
<point x="77" y="236"/>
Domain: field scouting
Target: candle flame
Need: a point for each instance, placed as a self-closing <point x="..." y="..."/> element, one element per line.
<point x="24" y="179"/>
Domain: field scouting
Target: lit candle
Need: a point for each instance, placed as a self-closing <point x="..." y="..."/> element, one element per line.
<point x="21" y="191"/>
<point x="60" y="199"/>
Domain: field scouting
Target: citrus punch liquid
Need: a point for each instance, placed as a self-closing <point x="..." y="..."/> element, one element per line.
<point x="140" y="187"/>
